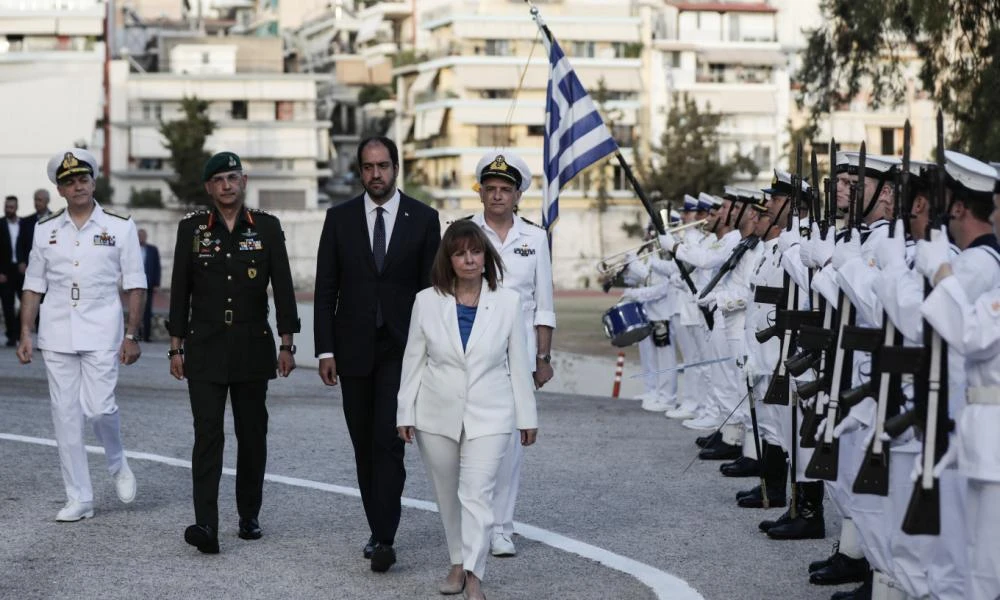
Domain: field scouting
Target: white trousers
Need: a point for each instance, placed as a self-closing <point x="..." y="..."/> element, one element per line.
<point x="647" y="362"/>
<point x="464" y="474"/>
<point x="655" y="364"/>
<point x="683" y="336"/>
<point x="982" y="515"/>
<point x="508" y="481"/>
<point x="82" y="388"/>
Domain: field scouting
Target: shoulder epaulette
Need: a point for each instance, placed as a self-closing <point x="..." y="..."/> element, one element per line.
<point x="194" y="213"/>
<point x="530" y="223"/>
<point x="467" y="218"/>
<point x="258" y="211"/>
<point x="116" y="215"/>
<point x="52" y="216"/>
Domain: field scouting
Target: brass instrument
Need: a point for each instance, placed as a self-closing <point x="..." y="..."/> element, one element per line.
<point x="611" y="265"/>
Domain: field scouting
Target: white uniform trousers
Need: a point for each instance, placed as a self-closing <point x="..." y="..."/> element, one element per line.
<point x="769" y="416"/>
<point x="647" y="362"/>
<point x="664" y="359"/>
<point x="464" y="474"/>
<point x="699" y="379"/>
<point x="910" y="553"/>
<point x="983" y="515"/>
<point x="82" y="388"/>
<point x="683" y="336"/>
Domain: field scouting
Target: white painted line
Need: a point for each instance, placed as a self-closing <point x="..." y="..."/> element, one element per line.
<point x="663" y="584"/>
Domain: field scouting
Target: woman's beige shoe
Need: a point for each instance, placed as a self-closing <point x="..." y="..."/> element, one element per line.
<point x="450" y="588"/>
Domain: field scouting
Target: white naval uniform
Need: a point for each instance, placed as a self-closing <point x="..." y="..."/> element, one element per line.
<point x="527" y="269"/>
<point x="658" y="300"/>
<point x="762" y="358"/>
<point x="81" y="329"/>
<point x="687" y="330"/>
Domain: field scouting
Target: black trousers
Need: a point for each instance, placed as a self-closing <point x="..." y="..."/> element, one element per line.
<point x="208" y="406"/>
<point x="370" y="412"/>
<point x="147" y="316"/>
<point x="10" y="290"/>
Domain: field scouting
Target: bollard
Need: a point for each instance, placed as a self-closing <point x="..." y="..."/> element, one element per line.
<point x="618" y="374"/>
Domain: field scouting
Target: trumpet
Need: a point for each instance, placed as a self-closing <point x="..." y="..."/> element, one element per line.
<point x="615" y="263"/>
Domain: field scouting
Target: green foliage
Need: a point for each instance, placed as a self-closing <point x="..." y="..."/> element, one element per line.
<point x="103" y="192"/>
<point x="145" y="198"/>
<point x="186" y="142"/>
<point x="862" y="46"/>
<point x="689" y="155"/>
<point x="370" y="94"/>
<point x="408" y="57"/>
<point x="417" y="191"/>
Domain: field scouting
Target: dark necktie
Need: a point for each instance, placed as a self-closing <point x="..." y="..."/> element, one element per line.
<point x="378" y="249"/>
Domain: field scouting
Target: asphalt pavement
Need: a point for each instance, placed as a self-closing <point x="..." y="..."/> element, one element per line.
<point x="606" y="480"/>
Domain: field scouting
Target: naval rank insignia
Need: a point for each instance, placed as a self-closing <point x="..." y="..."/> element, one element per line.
<point x="524" y="250"/>
<point x="104" y="239"/>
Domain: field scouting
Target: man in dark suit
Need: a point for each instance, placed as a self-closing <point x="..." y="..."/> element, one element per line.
<point x="13" y="234"/>
<point x="41" y="198"/>
<point x="151" y="262"/>
<point x="375" y="254"/>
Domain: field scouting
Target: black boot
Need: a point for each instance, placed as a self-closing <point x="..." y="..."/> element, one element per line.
<point x="862" y="593"/>
<point x="741" y="467"/>
<point x="720" y="450"/>
<point x="775" y="479"/>
<point x="767" y="524"/>
<point x="808" y="523"/>
<point x="706" y="440"/>
<point x="841" y="569"/>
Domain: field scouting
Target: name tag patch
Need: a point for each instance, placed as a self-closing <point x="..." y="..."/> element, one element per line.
<point x="104" y="239"/>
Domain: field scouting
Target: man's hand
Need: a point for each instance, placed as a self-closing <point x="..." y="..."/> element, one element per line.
<point x="177" y="366"/>
<point x="328" y="370"/>
<point x="24" y="349"/>
<point x="543" y="373"/>
<point x="286" y="363"/>
<point x="528" y="436"/>
<point x="406" y="432"/>
<point x="129" y="352"/>
<point x="3" y="278"/>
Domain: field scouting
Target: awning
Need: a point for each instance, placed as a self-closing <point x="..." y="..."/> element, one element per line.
<point x="421" y="84"/>
<point x="368" y="29"/>
<point x="428" y="123"/>
<point x="742" y="56"/>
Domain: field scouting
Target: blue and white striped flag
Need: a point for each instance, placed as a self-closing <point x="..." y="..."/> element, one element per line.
<point x="575" y="134"/>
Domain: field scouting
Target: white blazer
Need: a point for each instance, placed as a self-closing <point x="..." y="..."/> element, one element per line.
<point x="486" y="389"/>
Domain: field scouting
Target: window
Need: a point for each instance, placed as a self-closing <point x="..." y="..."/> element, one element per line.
<point x="344" y="120"/>
<point x="675" y="60"/>
<point x="284" y="110"/>
<point x="239" y="110"/>
<point x="623" y="134"/>
<point x="619" y="49"/>
<point x="762" y="157"/>
<point x="583" y="49"/>
<point x="278" y="199"/>
<point x="152" y="111"/>
<point x="496" y="94"/>
<point x="734" y="28"/>
<point x="150" y="164"/>
<point x="205" y="57"/>
<point x="498" y="48"/>
<point x="493" y="136"/>
<point x="620" y="181"/>
<point x="536" y="130"/>
<point x="888" y="141"/>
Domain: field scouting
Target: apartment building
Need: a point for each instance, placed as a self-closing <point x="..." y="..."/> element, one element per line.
<point x="480" y="87"/>
<point x="266" y="116"/>
<point x="51" y="58"/>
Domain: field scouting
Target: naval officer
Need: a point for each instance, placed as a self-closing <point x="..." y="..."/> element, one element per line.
<point x="524" y="248"/>
<point x="220" y="339"/>
<point x="77" y="258"/>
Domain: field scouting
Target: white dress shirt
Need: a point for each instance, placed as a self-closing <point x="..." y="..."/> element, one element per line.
<point x="14" y="228"/>
<point x="391" y="209"/>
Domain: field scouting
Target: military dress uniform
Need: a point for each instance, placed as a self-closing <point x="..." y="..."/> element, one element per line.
<point x="81" y="326"/>
<point x="219" y="307"/>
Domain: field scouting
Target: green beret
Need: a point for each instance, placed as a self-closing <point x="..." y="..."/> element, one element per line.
<point x="221" y="163"/>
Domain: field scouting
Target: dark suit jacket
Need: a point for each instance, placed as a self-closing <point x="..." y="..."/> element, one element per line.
<point x="348" y="287"/>
<point x="152" y="266"/>
<point x="23" y="238"/>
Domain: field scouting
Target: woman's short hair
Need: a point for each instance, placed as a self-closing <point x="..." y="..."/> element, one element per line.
<point x="462" y="235"/>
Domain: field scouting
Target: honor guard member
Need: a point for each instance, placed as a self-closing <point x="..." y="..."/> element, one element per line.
<point x="524" y="248"/>
<point x="78" y="256"/>
<point x="221" y="342"/>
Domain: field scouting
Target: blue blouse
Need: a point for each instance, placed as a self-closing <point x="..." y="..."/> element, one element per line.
<point x="466" y="317"/>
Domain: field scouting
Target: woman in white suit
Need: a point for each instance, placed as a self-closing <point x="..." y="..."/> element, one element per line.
<point x="466" y="384"/>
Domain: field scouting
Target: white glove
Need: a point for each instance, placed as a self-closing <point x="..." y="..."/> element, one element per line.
<point x="668" y="242"/>
<point x="628" y="295"/>
<point x="821" y="429"/>
<point x="949" y="459"/>
<point x="847" y="250"/>
<point x="931" y="255"/>
<point x="708" y="301"/>
<point x="891" y="252"/>
<point x="788" y="238"/>
<point x="821" y="251"/>
<point x="806" y="250"/>
<point x="847" y="424"/>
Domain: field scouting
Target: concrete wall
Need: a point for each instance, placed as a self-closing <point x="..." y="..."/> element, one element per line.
<point x="581" y="239"/>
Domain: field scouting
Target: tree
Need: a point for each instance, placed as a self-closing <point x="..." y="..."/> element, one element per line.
<point x="186" y="142"/>
<point x="689" y="154"/>
<point x="862" y="45"/>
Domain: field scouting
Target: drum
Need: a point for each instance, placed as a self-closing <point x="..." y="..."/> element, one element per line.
<point x="626" y="324"/>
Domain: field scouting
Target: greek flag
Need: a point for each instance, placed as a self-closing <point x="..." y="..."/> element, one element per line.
<point x="575" y="134"/>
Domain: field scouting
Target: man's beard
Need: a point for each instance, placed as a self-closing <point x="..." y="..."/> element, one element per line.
<point x="390" y="188"/>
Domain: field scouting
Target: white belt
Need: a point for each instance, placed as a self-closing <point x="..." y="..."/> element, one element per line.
<point x="989" y="394"/>
<point x="91" y="292"/>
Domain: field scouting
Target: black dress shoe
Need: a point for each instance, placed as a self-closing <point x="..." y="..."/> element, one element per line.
<point x="383" y="557"/>
<point x="202" y="537"/>
<point x="802" y="527"/>
<point x="706" y="440"/>
<point x="862" y="593"/>
<point x="775" y="499"/>
<point x="250" y="529"/>
<point x="841" y="569"/>
<point x="741" y="467"/>
<point x="816" y="565"/>
<point x="720" y="451"/>
<point x="768" y="523"/>
<point x="370" y="547"/>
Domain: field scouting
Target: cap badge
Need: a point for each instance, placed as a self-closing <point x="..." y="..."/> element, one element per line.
<point x="232" y="161"/>
<point x="498" y="164"/>
<point x="70" y="161"/>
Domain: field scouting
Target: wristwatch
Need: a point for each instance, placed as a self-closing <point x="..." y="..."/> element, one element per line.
<point x="546" y="358"/>
<point x="131" y="337"/>
<point x="175" y="352"/>
<point x="289" y="347"/>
